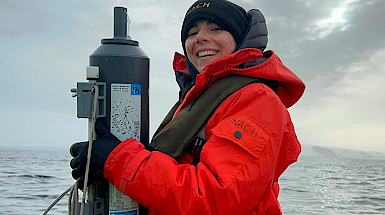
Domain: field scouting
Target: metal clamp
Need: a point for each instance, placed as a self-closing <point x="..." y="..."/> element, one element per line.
<point x="85" y="93"/>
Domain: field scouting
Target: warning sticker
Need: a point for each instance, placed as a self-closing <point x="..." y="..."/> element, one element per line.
<point x="125" y="111"/>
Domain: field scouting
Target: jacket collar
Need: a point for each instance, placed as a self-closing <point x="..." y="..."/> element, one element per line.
<point x="290" y="87"/>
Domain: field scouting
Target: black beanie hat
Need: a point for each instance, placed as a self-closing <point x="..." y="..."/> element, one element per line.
<point x="225" y="14"/>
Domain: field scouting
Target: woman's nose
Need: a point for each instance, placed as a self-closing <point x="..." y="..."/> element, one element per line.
<point x="202" y="36"/>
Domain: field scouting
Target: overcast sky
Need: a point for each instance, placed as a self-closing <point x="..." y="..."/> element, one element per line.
<point x="336" y="47"/>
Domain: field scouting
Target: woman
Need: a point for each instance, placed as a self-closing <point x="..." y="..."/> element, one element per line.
<point x="223" y="146"/>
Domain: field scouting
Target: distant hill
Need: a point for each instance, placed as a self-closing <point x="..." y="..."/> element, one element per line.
<point x="334" y="152"/>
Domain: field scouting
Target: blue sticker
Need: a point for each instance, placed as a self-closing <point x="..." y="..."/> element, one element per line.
<point x="136" y="89"/>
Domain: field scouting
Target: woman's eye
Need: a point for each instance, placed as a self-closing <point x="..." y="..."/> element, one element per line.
<point x="192" y="33"/>
<point x="217" y="29"/>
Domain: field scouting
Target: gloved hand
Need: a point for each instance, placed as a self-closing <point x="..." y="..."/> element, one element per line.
<point x="101" y="148"/>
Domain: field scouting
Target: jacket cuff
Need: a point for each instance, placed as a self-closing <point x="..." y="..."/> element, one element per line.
<point x="117" y="160"/>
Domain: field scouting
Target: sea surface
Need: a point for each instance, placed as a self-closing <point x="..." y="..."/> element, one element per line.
<point x="30" y="180"/>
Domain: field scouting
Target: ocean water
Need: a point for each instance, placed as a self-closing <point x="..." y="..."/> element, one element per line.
<point x="31" y="180"/>
<point x="333" y="186"/>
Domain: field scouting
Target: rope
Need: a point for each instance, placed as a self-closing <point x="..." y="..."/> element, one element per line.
<point x="73" y="190"/>
<point x="73" y="200"/>
<point x="57" y="200"/>
<point x="90" y="141"/>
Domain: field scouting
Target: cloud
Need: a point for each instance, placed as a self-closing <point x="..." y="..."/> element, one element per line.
<point x="348" y="112"/>
<point x="21" y="17"/>
<point x="296" y="36"/>
<point x="341" y="105"/>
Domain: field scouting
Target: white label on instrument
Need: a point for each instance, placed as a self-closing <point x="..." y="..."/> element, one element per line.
<point x="125" y="111"/>
<point x="121" y="204"/>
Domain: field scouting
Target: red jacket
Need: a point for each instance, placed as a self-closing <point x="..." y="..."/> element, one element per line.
<point x="251" y="141"/>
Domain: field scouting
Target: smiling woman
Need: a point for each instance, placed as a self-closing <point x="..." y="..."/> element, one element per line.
<point x="225" y="143"/>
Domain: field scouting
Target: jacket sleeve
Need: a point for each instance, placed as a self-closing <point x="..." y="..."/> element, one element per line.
<point x="238" y="163"/>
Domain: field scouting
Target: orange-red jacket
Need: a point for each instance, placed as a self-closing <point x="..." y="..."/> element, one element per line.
<point x="251" y="141"/>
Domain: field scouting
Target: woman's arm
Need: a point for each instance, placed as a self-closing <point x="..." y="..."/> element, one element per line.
<point x="236" y="171"/>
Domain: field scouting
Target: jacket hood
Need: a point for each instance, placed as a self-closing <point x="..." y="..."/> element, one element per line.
<point x="290" y="88"/>
<point x="256" y="35"/>
<point x="248" y="59"/>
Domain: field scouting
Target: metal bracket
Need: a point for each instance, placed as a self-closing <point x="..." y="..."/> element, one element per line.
<point x="95" y="207"/>
<point x="85" y="95"/>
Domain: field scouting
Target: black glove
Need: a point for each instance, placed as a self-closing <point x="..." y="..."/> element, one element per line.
<point x="101" y="148"/>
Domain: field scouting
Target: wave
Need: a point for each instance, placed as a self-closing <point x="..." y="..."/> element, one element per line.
<point x="33" y="176"/>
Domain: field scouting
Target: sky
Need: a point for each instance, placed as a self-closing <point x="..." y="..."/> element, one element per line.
<point x="336" y="47"/>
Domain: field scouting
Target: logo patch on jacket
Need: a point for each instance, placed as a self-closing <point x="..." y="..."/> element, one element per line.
<point x="243" y="131"/>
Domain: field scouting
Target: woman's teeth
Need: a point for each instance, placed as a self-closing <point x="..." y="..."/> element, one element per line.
<point x="207" y="53"/>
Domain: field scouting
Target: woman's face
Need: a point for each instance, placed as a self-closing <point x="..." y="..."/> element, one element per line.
<point x="207" y="42"/>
